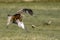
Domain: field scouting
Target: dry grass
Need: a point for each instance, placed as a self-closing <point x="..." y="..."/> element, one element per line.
<point x="41" y="32"/>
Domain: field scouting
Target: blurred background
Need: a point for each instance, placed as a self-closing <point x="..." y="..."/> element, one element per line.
<point x="46" y="21"/>
<point x="29" y="1"/>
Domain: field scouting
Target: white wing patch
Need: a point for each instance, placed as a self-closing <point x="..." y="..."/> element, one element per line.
<point x="20" y="24"/>
<point x="9" y="20"/>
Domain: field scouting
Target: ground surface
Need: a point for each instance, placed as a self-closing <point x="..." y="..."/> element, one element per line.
<point x="42" y="12"/>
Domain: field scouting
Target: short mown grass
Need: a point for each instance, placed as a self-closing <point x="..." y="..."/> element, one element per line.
<point x="42" y="11"/>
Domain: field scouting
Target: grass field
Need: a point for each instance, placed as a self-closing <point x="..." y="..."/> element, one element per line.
<point x="42" y="12"/>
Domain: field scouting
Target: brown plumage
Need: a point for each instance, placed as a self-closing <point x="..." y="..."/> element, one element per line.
<point x="15" y="17"/>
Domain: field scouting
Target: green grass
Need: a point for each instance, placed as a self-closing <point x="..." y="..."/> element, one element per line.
<point x="43" y="12"/>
